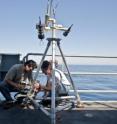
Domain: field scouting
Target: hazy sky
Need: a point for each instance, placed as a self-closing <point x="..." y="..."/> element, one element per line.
<point x="94" y="31"/>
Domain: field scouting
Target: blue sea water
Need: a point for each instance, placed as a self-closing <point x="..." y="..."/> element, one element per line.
<point x="93" y="82"/>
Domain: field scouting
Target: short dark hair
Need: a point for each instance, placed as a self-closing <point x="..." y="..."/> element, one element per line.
<point x="31" y="63"/>
<point x="45" y="65"/>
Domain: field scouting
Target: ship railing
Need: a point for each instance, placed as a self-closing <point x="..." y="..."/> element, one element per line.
<point x="85" y="73"/>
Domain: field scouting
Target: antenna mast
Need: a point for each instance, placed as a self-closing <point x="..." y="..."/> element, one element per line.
<point x="50" y="25"/>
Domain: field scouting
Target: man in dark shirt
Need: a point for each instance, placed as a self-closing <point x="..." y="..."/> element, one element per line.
<point x="17" y="74"/>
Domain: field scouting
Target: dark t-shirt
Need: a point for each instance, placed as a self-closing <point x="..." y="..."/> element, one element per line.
<point x="16" y="74"/>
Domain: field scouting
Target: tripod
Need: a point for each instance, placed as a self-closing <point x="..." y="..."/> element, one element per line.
<point x="50" y="24"/>
<point x="57" y="42"/>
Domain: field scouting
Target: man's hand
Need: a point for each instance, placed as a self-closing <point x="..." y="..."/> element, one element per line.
<point x="16" y="85"/>
<point x="19" y="86"/>
<point x="37" y="87"/>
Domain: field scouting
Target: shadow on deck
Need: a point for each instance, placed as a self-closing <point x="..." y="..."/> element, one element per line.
<point x="90" y="114"/>
<point x="22" y="116"/>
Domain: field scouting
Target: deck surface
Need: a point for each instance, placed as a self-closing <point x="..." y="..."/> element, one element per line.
<point x="92" y="113"/>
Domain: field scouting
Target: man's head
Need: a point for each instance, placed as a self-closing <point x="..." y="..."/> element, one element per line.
<point x="30" y="65"/>
<point x="46" y="67"/>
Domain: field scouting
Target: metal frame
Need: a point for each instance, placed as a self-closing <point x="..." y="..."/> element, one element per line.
<point x="50" y="24"/>
<point x="56" y="41"/>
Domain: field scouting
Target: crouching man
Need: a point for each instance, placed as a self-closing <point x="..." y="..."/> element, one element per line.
<point x="62" y="85"/>
<point x="16" y="74"/>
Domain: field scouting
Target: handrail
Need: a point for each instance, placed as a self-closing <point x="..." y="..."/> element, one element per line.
<point x="92" y="91"/>
<point x="92" y="73"/>
<point x="95" y="91"/>
<point x="41" y="54"/>
<point x="85" y="73"/>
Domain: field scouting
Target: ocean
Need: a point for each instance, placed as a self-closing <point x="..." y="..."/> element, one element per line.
<point x="95" y="82"/>
<point x="92" y="82"/>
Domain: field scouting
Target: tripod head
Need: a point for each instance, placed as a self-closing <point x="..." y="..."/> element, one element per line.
<point x="50" y="23"/>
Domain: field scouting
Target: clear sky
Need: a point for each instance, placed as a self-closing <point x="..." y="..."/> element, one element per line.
<point x="94" y="31"/>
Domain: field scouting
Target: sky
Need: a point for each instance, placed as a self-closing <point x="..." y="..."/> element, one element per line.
<point x="94" y="31"/>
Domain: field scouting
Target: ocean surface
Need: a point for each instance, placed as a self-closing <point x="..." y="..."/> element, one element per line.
<point x="95" y="82"/>
<point x="92" y="82"/>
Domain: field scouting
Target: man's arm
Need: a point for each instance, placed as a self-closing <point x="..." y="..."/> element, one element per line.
<point x="15" y="85"/>
<point x="47" y="87"/>
<point x="39" y="87"/>
<point x="11" y="83"/>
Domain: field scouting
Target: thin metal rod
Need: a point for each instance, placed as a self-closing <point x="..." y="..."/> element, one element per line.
<point x="53" y="111"/>
<point x="41" y="54"/>
<point x="91" y="56"/>
<point x="48" y="7"/>
<point x="76" y="93"/>
<point x="99" y="101"/>
<point x="39" y="67"/>
<point x="51" y="1"/>
<point x="37" y="106"/>
<point x="92" y="73"/>
<point x="58" y="98"/>
<point x="88" y="73"/>
<point x="96" y="91"/>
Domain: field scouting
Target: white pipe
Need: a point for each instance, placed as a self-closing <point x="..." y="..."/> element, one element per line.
<point x="53" y="111"/>
<point x="86" y="73"/>
<point x="95" y="91"/>
<point x="92" y="73"/>
<point x="99" y="101"/>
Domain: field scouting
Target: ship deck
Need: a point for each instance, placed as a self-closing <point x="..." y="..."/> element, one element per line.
<point x="91" y="113"/>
